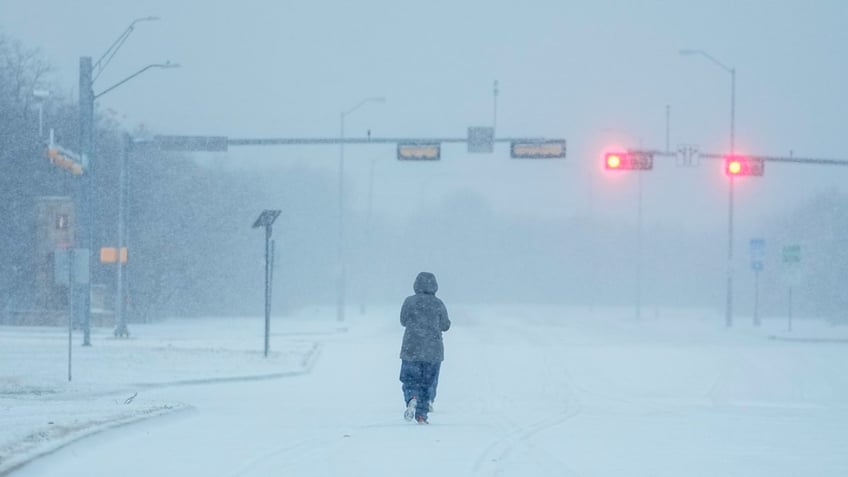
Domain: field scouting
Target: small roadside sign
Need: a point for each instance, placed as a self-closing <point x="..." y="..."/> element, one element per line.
<point x="792" y="265"/>
<point x="791" y="254"/>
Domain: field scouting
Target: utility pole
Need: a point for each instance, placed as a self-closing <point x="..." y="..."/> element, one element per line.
<point x="85" y="230"/>
<point x="495" y="109"/>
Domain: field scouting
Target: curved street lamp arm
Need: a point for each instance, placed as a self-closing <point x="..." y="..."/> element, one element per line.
<point x="119" y="83"/>
<point x="379" y="99"/>
<point x="709" y="57"/>
<point x="100" y="65"/>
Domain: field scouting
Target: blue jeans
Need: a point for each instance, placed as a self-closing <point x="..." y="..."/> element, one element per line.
<point x="417" y="378"/>
<point x="435" y="383"/>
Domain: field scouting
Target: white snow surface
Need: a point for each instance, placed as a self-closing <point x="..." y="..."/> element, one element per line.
<point x="524" y="390"/>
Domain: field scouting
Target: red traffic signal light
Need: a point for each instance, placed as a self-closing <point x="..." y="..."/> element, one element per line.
<point x="743" y="166"/>
<point x="628" y="160"/>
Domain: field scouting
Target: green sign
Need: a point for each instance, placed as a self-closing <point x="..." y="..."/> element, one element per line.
<point x="791" y="254"/>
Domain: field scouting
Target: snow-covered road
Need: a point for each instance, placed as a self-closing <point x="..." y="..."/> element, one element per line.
<point x="525" y="391"/>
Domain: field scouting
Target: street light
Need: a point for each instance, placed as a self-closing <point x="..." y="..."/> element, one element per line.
<point x="732" y="72"/>
<point x="340" y="303"/>
<point x="88" y="75"/>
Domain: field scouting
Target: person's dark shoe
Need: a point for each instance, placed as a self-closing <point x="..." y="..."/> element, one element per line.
<point x="421" y="419"/>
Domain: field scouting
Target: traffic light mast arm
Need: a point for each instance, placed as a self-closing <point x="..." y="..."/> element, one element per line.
<point x="786" y="159"/>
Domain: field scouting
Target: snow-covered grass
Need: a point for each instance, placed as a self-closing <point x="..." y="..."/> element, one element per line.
<point x="40" y="409"/>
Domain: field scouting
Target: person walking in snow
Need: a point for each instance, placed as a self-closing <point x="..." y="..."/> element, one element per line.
<point x="424" y="318"/>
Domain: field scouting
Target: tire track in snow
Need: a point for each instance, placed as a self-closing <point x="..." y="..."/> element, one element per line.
<point x="495" y="457"/>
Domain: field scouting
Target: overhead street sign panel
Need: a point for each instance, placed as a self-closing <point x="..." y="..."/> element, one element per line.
<point x="533" y="149"/>
<point x="419" y="151"/>
<point x="481" y="140"/>
<point x="192" y="143"/>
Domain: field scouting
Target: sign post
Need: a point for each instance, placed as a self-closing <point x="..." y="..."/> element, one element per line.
<point x="758" y="253"/>
<point x="791" y="263"/>
<point x="266" y="219"/>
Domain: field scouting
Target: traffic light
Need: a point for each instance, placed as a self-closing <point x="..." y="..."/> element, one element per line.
<point x="538" y="149"/>
<point x="64" y="159"/>
<point x="629" y="160"/>
<point x="409" y="151"/>
<point x="743" y="166"/>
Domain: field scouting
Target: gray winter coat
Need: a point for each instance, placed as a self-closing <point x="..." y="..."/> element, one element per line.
<point x="425" y="318"/>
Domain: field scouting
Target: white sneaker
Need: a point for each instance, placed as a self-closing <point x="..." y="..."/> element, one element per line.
<point x="409" y="413"/>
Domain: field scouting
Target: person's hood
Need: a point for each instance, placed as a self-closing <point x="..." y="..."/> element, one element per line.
<point x="425" y="282"/>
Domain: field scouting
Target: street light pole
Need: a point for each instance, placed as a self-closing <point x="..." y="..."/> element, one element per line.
<point x="340" y="298"/>
<point x="732" y="71"/>
<point x="85" y="231"/>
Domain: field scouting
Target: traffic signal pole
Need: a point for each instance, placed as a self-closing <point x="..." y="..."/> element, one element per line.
<point x="729" y="310"/>
<point x="747" y="165"/>
<point x="728" y="317"/>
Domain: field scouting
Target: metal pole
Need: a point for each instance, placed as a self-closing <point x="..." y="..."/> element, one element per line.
<point x="70" y="307"/>
<point x="267" y="286"/>
<point x="732" y="110"/>
<point x="667" y="128"/>
<point x="729" y="305"/>
<point x="729" y="311"/>
<point x="639" y="252"/>
<point x="340" y="299"/>
<point x="84" y="183"/>
<point x="757" y="298"/>
<point x="40" y="119"/>
<point x="495" y="110"/>
<point x="342" y="265"/>
<point x="120" y="318"/>
<point x="790" y="309"/>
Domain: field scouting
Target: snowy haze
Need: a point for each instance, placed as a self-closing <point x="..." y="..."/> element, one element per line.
<point x="588" y="307"/>
<point x="601" y="76"/>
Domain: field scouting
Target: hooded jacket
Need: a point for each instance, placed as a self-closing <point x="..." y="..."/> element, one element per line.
<point x="425" y="318"/>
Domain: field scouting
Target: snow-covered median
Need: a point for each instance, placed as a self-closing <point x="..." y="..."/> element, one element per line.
<point x="40" y="410"/>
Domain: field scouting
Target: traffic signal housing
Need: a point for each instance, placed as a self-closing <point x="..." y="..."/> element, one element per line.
<point x="65" y="159"/>
<point x="743" y="166"/>
<point x="630" y="160"/>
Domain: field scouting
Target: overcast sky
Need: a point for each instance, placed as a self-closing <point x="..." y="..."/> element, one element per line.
<point x="598" y="74"/>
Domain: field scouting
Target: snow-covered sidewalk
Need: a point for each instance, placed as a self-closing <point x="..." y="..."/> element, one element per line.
<point x="40" y="410"/>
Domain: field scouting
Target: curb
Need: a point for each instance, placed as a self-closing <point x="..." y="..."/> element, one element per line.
<point x="98" y="427"/>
